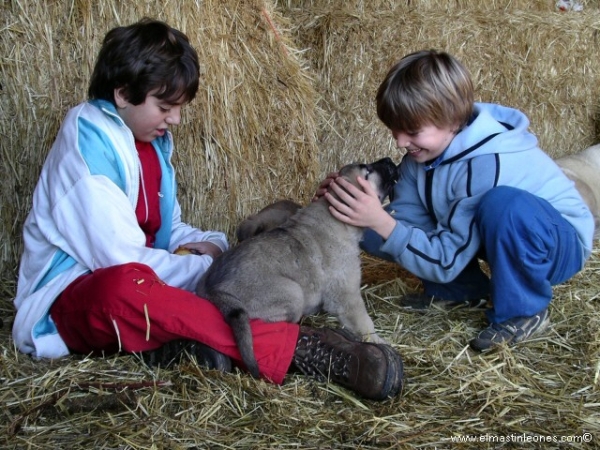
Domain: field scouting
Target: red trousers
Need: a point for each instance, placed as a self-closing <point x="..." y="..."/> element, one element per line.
<point x="128" y="308"/>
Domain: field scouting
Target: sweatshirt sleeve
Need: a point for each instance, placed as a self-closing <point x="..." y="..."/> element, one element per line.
<point x="438" y="249"/>
<point x="406" y="198"/>
<point x="183" y="233"/>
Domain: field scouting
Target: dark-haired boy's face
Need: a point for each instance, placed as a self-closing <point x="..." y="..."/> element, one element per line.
<point x="151" y="118"/>
<point x="425" y="144"/>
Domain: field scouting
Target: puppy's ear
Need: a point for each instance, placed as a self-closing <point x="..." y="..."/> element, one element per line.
<point x="246" y="229"/>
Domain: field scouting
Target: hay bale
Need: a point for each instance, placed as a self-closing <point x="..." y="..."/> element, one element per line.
<point x="545" y="63"/>
<point x="360" y="6"/>
<point x="248" y="138"/>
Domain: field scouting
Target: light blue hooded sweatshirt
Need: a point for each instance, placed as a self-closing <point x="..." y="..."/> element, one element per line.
<point x="434" y="204"/>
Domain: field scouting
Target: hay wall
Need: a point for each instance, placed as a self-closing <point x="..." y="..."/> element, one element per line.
<point x="522" y="54"/>
<point x="248" y="137"/>
<point x="287" y="87"/>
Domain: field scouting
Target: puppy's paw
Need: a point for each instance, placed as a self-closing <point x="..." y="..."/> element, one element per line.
<point x="374" y="338"/>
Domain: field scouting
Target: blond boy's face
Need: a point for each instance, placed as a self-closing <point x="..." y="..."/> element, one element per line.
<point x="425" y="144"/>
<point x="149" y="119"/>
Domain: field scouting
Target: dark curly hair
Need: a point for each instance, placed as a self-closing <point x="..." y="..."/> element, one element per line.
<point x="146" y="57"/>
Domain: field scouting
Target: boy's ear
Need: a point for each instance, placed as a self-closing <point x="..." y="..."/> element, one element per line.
<point x="120" y="99"/>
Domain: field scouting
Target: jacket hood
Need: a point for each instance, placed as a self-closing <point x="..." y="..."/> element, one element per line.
<point x="491" y="127"/>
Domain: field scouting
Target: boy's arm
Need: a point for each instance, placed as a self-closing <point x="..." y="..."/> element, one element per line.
<point x="108" y="234"/>
<point x="440" y="251"/>
<point x="183" y="234"/>
<point x="438" y="255"/>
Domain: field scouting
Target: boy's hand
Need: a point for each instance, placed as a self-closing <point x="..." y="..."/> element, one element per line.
<point x="322" y="189"/>
<point x="360" y="208"/>
<point x="199" y="248"/>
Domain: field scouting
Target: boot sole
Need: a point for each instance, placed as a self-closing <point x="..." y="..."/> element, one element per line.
<point x="394" y="381"/>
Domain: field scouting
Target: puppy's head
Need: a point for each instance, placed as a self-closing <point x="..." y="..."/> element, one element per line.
<point x="382" y="174"/>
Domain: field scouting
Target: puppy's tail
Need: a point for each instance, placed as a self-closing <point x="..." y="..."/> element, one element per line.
<point x="239" y="321"/>
<point x="240" y="324"/>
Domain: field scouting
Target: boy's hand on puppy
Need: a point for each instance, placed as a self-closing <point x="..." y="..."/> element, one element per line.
<point x="199" y="248"/>
<point x="360" y="208"/>
<point x="322" y="189"/>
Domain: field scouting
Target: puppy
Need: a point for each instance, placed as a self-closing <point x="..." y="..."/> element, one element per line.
<point x="308" y="264"/>
<point x="266" y="219"/>
<point x="584" y="169"/>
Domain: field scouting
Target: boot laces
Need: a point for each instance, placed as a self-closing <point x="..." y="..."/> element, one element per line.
<point x="320" y="360"/>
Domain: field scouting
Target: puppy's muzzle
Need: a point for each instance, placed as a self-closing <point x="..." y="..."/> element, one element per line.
<point x="388" y="171"/>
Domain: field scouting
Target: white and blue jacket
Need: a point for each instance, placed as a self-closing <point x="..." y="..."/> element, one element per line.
<point x="83" y="218"/>
<point x="434" y="205"/>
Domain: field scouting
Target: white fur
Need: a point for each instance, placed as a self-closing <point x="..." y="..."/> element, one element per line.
<point x="584" y="169"/>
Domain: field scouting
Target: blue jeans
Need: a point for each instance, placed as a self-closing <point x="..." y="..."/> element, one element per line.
<point x="529" y="248"/>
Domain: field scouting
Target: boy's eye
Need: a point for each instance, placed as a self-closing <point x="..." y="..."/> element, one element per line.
<point x="165" y="108"/>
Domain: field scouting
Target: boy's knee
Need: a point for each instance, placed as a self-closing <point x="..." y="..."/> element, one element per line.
<point x="500" y="195"/>
<point x="501" y="206"/>
<point x="122" y="277"/>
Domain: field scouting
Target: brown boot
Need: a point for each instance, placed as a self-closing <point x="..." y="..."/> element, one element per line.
<point x="374" y="371"/>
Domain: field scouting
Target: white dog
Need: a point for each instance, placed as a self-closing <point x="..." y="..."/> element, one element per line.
<point x="584" y="169"/>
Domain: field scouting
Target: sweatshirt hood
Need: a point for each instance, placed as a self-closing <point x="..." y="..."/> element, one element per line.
<point x="491" y="127"/>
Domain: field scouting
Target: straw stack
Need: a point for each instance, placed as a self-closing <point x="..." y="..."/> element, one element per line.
<point x="544" y="62"/>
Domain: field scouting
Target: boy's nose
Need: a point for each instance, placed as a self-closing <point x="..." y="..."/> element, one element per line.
<point x="174" y="117"/>
<point x="401" y="139"/>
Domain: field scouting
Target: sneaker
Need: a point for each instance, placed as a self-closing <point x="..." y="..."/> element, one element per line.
<point x="373" y="371"/>
<point x="174" y="352"/>
<point x="422" y="302"/>
<point x="511" y="331"/>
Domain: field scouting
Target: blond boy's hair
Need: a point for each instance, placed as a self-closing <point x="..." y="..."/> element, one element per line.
<point x="425" y="88"/>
